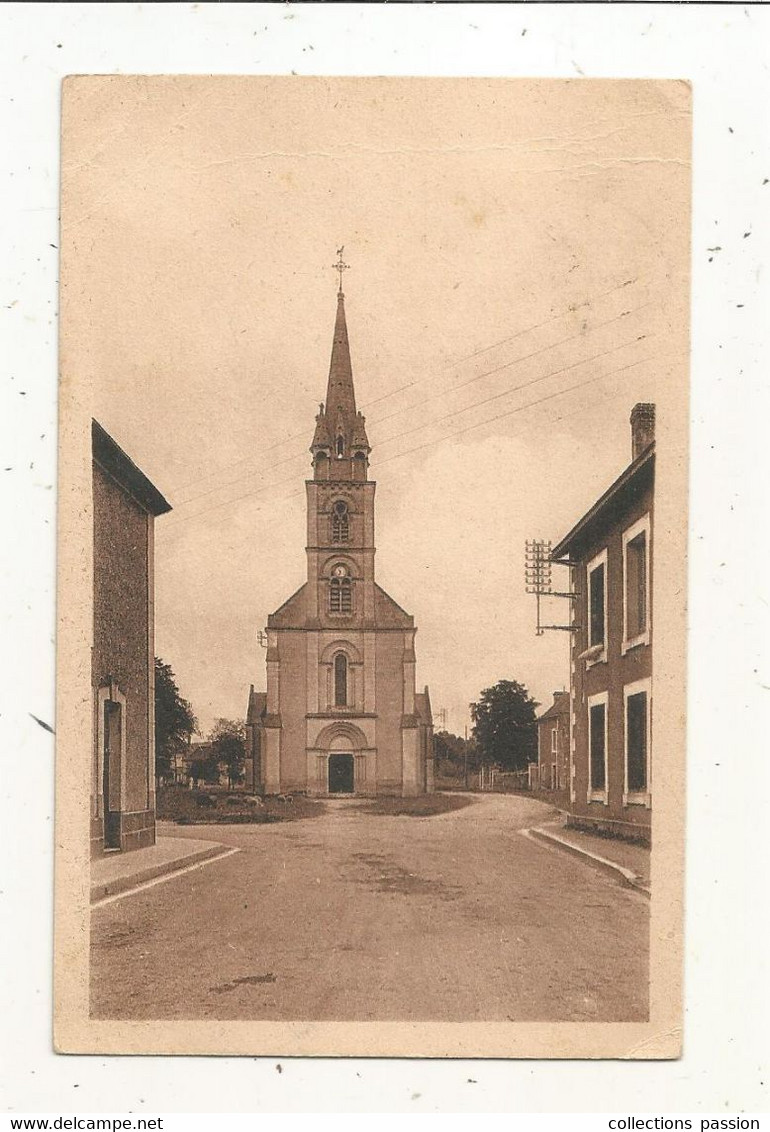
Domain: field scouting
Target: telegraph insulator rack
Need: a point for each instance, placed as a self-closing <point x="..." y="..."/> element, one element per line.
<point x="538" y="567"/>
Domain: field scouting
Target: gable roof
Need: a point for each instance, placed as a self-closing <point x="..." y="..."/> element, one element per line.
<point x="388" y="613"/>
<point x="559" y="707"/>
<point x="422" y="706"/>
<point x="111" y="457"/>
<point x="291" y="614"/>
<point x="610" y="506"/>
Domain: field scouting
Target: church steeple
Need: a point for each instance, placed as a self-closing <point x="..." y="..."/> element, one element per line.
<point x="340" y="445"/>
<point x="340" y="394"/>
<point x="341" y="713"/>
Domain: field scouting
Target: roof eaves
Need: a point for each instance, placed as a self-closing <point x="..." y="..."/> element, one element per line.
<point x="110" y="456"/>
<point x="595" y="511"/>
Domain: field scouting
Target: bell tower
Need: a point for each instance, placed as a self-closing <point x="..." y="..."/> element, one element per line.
<point x="340" y="497"/>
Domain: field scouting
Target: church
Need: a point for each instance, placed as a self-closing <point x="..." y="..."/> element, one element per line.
<point x="341" y="714"/>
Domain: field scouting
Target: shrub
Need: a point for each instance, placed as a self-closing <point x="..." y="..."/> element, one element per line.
<point x="205" y="801"/>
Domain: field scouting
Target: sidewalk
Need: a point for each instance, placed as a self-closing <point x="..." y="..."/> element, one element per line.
<point x="117" y="872"/>
<point x="630" y="862"/>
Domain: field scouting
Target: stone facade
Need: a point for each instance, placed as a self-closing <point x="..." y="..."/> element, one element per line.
<point x="125" y="504"/>
<point x="553" y="747"/>
<point x="341" y="714"/>
<point x="610" y="552"/>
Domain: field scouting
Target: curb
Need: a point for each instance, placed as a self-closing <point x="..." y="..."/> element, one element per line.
<point x="627" y="877"/>
<point x="123" y="884"/>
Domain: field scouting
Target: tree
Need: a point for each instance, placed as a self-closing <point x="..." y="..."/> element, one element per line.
<point x="205" y="768"/>
<point x="455" y="757"/>
<point x="504" y="725"/>
<point x="175" y="720"/>
<point x="228" y="745"/>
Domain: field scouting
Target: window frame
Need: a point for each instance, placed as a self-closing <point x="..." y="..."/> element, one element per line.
<point x="598" y="651"/>
<point x="341" y="655"/>
<point x="340" y="523"/>
<point x="555" y="740"/>
<point x="341" y="586"/>
<point x="642" y="525"/>
<point x="638" y="797"/>
<point x="599" y="699"/>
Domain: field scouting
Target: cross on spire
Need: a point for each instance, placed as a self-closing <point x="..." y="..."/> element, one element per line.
<point x="340" y="266"/>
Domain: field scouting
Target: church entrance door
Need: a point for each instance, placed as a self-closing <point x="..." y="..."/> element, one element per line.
<point x="340" y="774"/>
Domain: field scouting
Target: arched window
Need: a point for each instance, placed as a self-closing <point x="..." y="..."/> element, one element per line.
<point x="340" y="591"/>
<point x="340" y="445"/>
<point x="340" y="680"/>
<point x="340" y="522"/>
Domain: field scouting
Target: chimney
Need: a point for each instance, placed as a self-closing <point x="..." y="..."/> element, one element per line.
<point x="557" y="694"/>
<point x="642" y="428"/>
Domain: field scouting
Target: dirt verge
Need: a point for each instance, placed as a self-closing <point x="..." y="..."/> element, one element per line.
<point x="425" y="806"/>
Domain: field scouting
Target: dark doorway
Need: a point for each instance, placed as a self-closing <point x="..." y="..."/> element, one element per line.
<point x="111" y="780"/>
<point x="340" y="774"/>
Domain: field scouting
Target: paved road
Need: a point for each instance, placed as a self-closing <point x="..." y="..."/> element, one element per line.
<point x="352" y="916"/>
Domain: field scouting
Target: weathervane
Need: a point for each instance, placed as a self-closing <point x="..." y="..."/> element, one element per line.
<point x="341" y="266"/>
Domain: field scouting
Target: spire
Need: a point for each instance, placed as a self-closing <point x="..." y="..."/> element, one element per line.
<point x="340" y="446"/>
<point x="340" y="395"/>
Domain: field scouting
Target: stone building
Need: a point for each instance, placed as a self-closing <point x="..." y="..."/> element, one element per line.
<point x="252" y="766"/>
<point x="610" y="552"/>
<point x="553" y="746"/>
<point x="125" y="506"/>
<point x="341" y="714"/>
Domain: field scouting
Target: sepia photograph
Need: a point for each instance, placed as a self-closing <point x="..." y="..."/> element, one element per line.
<point x="372" y="566"/>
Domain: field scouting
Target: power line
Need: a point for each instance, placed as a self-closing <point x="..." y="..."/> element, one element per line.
<point x="430" y="424"/>
<point x="513" y="389"/>
<point x="551" y="420"/>
<point x="524" y="358"/>
<point x="511" y="412"/>
<point x="418" y="448"/>
<point x="441" y="393"/>
<point x="571" y="309"/>
<point x="484" y="349"/>
<point x="518" y="409"/>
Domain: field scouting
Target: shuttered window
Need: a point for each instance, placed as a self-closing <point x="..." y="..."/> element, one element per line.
<point x="636" y="585"/>
<point x="596" y="610"/>
<point x="340" y="595"/>
<point x="597" y="745"/>
<point x="636" y="742"/>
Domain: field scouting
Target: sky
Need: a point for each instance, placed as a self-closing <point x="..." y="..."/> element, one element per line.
<point x="518" y="257"/>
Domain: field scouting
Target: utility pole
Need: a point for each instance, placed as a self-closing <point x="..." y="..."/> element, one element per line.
<point x="537" y="580"/>
<point x="465" y="758"/>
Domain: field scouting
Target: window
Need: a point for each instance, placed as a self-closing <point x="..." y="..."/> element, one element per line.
<point x="340" y="522"/>
<point x="340" y="445"/>
<point x="554" y="740"/>
<point x="637" y="726"/>
<point x="597" y="580"/>
<point x="340" y="680"/>
<point x="340" y="591"/>
<point x="597" y="747"/>
<point x="636" y="584"/>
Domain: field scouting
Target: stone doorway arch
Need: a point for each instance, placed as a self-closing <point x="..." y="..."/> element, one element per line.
<point x="341" y="756"/>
